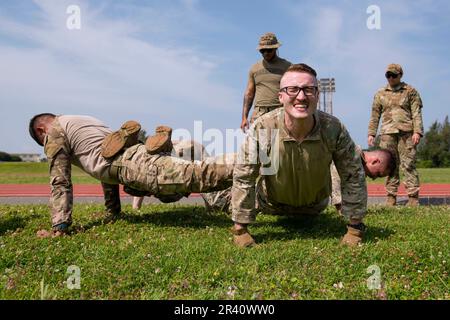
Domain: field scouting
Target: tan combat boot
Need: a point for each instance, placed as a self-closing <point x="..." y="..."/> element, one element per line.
<point x="242" y="238"/>
<point x="125" y="137"/>
<point x="161" y="141"/>
<point x="391" y="200"/>
<point x="413" y="201"/>
<point x="354" y="235"/>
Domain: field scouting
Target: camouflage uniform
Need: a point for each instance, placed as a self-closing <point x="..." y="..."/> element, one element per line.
<point x="294" y="178"/>
<point x="160" y="175"/>
<point x="165" y="175"/>
<point x="400" y="109"/>
<point x="336" y="197"/>
<point x="220" y="201"/>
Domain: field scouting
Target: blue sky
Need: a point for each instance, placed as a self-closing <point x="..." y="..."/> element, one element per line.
<point x="175" y="62"/>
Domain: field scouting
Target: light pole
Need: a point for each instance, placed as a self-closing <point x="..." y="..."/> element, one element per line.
<point x="326" y="88"/>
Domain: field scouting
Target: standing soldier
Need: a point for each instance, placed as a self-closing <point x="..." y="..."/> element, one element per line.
<point x="400" y="107"/>
<point x="264" y="80"/>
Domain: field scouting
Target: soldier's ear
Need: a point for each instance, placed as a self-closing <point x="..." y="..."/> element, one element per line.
<point x="40" y="130"/>
<point x="37" y="130"/>
<point x="376" y="160"/>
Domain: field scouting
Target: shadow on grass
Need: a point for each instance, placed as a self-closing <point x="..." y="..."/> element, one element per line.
<point x="11" y="224"/>
<point x="302" y="227"/>
<point x="323" y="226"/>
<point x="195" y="217"/>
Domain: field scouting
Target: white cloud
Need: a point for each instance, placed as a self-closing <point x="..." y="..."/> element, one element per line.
<point x="327" y="28"/>
<point x="102" y="69"/>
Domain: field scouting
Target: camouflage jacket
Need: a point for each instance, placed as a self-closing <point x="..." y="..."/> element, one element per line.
<point x="58" y="152"/>
<point x="399" y="108"/>
<point x="297" y="174"/>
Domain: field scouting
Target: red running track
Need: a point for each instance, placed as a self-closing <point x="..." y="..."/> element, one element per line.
<point x="42" y="190"/>
<point x="92" y="190"/>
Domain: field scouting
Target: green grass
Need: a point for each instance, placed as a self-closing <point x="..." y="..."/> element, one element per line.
<point x="180" y="252"/>
<point x="426" y="175"/>
<point x="36" y="173"/>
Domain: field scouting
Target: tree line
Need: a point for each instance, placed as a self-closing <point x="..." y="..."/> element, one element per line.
<point x="7" y="157"/>
<point x="434" y="149"/>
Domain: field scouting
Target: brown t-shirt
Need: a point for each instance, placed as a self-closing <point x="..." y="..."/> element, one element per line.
<point x="85" y="135"/>
<point x="267" y="76"/>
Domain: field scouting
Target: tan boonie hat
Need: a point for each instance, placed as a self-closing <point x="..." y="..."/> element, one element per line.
<point x="268" y="41"/>
<point x="126" y="136"/>
<point x="394" y="68"/>
<point x="161" y="141"/>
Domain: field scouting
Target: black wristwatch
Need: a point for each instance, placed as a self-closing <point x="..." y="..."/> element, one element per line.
<point x="360" y="226"/>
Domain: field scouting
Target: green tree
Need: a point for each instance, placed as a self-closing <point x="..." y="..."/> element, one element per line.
<point x="142" y="136"/>
<point x="7" y="157"/>
<point x="434" y="149"/>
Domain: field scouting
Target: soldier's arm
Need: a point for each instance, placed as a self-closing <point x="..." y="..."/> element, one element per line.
<point x="245" y="174"/>
<point x="61" y="188"/>
<point x="249" y="95"/>
<point x="353" y="181"/>
<point x="112" y="198"/>
<point x="416" y="111"/>
<point x="375" y="116"/>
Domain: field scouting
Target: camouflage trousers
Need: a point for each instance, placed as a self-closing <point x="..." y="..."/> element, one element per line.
<point x="336" y="196"/>
<point x="405" y="151"/>
<point x="221" y="201"/>
<point x="166" y="175"/>
<point x="259" y="111"/>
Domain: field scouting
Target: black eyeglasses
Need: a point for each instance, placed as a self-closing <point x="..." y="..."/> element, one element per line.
<point x="293" y="91"/>
<point x="391" y="75"/>
<point x="266" y="50"/>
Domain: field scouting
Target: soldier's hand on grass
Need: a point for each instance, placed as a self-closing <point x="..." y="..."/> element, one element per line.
<point x="370" y="141"/>
<point x="49" y="234"/>
<point x="43" y="234"/>
<point x="244" y="125"/>
<point x="416" y="138"/>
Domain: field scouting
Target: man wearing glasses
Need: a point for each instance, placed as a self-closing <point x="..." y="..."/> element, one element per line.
<point x="400" y="107"/>
<point x="264" y="80"/>
<point x="300" y="142"/>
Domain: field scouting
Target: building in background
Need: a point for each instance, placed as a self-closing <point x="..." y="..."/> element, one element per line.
<point x="28" y="157"/>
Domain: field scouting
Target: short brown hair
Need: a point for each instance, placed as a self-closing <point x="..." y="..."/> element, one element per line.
<point x="390" y="158"/>
<point x="33" y="122"/>
<point x="302" y="67"/>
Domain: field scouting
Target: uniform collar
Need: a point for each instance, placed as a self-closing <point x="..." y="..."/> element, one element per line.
<point x="400" y="86"/>
<point x="284" y="134"/>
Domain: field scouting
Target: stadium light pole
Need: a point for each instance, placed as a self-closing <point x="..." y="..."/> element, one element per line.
<point x="326" y="88"/>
